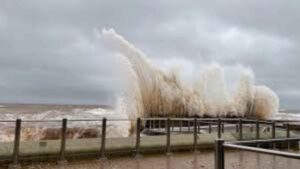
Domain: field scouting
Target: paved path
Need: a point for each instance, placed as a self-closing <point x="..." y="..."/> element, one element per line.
<point x="121" y="145"/>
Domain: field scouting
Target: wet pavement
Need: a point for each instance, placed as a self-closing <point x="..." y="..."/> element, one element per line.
<point x="202" y="160"/>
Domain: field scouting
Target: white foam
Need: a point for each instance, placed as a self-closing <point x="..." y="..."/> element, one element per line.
<point x="157" y="92"/>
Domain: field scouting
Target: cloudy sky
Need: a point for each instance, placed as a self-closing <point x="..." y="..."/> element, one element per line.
<point x="49" y="52"/>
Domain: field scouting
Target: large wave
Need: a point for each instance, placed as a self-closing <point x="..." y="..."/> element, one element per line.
<point x="154" y="92"/>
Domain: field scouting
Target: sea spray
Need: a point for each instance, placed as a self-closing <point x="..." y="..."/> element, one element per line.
<point x="157" y="93"/>
<point x="212" y="91"/>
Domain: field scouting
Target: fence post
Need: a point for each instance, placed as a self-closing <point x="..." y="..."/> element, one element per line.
<point x="241" y="129"/>
<point x="62" y="159"/>
<point x="103" y="139"/>
<point x="219" y="154"/>
<point x="180" y="125"/>
<point x="172" y="125"/>
<point x="168" y="148"/>
<point x="273" y="133"/>
<point x="219" y="128"/>
<point x="236" y="128"/>
<point x="195" y="134"/>
<point x="257" y="130"/>
<point x="209" y="128"/>
<point x="288" y="135"/>
<point x="15" y="159"/>
<point x="138" y="137"/>
<point x="223" y="127"/>
<point x="159" y="125"/>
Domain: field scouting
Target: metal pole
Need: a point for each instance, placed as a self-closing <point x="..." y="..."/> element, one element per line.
<point x="15" y="158"/>
<point x="138" y="137"/>
<point x="241" y="129"/>
<point x="103" y="138"/>
<point x="219" y="128"/>
<point x="195" y="134"/>
<point x="273" y="133"/>
<point x="209" y="128"/>
<point x="273" y="129"/>
<point x="288" y="135"/>
<point x="172" y="123"/>
<point x="219" y="154"/>
<point x="62" y="159"/>
<point x="223" y="127"/>
<point x="180" y="125"/>
<point x="168" y="148"/>
<point x="159" y="124"/>
<point x="166" y="127"/>
<point x="257" y="129"/>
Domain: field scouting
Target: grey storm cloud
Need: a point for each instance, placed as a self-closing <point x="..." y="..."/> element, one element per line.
<point x="50" y="54"/>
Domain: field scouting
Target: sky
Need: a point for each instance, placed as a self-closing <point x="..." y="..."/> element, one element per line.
<point x="49" y="52"/>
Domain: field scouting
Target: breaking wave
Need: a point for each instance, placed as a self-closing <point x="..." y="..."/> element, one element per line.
<point x="156" y="92"/>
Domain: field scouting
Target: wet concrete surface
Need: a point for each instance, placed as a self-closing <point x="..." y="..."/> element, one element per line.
<point x="201" y="160"/>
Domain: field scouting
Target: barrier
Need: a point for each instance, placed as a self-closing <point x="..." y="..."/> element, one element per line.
<point x="181" y="125"/>
<point x="220" y="146"/>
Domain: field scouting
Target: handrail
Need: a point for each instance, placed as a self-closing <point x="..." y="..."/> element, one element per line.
<point x="264" y="141"/>
<point x="261" y="150"/>
<point x="240" y="145"/>
<point x="163" y="118"/>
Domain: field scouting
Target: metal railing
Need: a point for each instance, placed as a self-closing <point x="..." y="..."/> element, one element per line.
<point x="220" y="146"/>
<point x="167" y="124"/>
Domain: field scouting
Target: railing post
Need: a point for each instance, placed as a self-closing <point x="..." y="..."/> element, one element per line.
<point x="166" y="126"/>
<point x="138" y="137"/>
<point x="168" y="148"/>
<point x="223" y="127"/>
<point x="195" y="134"/>
<point x="273" y="133"/>
<point x="180" y="125"/>
<point x="257" y="130"/>
<point x="172" y="123"/>
<point x="219" y="154"/>
<point x="103" y="139"/>
<point x="199" y="126"/>
<point x="62" y="159"/>
<point x="288" y="135"/>
<point x="159" y="124"/>
<point x="15" y="159"/>
<point x="219" y="128"/>
<point x="236" y="128"/>
<point x="209" y="128"/>
<point x="240" y="129"/>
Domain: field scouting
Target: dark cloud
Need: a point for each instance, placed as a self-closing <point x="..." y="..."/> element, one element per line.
<point x="49" y="53"/>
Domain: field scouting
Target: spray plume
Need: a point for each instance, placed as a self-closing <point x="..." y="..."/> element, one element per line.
<point x="154" y="92"/>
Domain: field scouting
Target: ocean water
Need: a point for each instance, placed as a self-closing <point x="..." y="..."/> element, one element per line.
<point x="36" y="130"/>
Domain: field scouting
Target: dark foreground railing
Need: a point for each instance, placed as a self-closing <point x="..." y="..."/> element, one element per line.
<point x="193" y="125"/>
<point x="220" y="146"/>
